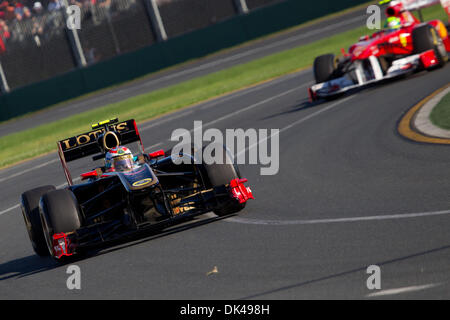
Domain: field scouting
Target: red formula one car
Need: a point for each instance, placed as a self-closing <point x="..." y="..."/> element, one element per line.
<point x="408" y="45"/>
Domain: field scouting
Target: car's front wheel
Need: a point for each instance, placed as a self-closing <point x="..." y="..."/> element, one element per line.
<point x="425" y="38"/>
<point x="59" y="212"/>
<point x="29" y="202"/>
<point x="324" y="67"/>
<point x="222" y="174"/>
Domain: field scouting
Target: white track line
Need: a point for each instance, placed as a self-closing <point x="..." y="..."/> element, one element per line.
<point x="336" y="220"/>
<point x="395" y="291"/>
<point x="232" y="114"/>
<point x="10" y="209"/>
<point x="29" y="169"/>
<point x="205" y="105"/>
<point x="312" y="115"/>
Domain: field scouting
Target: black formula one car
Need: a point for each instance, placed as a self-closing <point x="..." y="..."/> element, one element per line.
<point x="110" y="204"/>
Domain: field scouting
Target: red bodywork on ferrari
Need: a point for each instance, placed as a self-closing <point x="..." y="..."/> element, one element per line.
<point x="395" y="42"/>
<point x="408" y="46"/>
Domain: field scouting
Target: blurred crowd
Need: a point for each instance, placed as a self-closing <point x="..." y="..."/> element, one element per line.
<point x="23" y="18"/>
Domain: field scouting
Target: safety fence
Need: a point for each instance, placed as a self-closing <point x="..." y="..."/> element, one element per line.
<point x="181" y="16"/>
<point x="37" y="44"/>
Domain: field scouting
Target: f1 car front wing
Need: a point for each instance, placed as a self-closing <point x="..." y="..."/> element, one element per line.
<point x="360" y="77"/>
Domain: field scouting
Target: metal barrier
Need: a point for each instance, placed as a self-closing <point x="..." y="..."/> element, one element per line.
<point x="182" y="16"/>
<point x="254" y="4"/>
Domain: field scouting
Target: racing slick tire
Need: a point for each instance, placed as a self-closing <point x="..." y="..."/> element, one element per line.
<point x="59" y="211"/>
<point x="324" y="67"/>
<point x="425" y="38"/>
<point x="220" y="174"/>
<point x="29" y="202"/>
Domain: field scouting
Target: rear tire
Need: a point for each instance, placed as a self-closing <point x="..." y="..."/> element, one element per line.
<point x="221" y="174"/>
<point x="324" y="67"/>
<point x="59" y="211"/>
<point x="425" y="38"/>
<point x="29" y="201"/>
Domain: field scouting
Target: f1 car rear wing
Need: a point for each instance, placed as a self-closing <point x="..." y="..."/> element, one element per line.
<point x="86" y="144"/>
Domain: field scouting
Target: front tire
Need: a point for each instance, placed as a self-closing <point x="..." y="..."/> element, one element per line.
<point x="324" y="67"/>
<point x="425" y="38"/>
<point x="222" y="174"/>
<point x="29" y="202"/>
<point x="59" y="212"/>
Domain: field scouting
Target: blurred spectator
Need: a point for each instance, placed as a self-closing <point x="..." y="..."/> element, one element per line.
<point x="2" y="46"/>
<point x="26" y="13"/>
<point x="4" y="35"/>
<point x="37" y="9"/>
<point x="54" y="5"/>
<point x="3" y="6"/>
<point x="76" y="3"/>
<point x="39" y="20"/>
<point x="104" y="3"/>
<point x="90" y="53"/>
<point x="9" y="12"/>
<point x="4" y="30"/>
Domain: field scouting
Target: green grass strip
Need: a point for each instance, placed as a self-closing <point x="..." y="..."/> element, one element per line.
<point x="440" y="115"/>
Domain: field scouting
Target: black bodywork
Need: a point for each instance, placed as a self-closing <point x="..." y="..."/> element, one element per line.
<point x="112" y="207"/>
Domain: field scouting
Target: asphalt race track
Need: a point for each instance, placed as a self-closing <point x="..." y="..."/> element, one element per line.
<point x="350" y="193"/>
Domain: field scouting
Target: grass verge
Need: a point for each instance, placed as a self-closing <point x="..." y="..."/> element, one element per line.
<point x="440" y="115"/>
<point x="42" y="139"/>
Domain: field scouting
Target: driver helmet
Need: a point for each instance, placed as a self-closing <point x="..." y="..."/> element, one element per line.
<point x="119" y="159"/>
<point x="393" y="23"/>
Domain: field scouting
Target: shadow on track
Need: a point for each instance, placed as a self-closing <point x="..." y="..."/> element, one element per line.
<point x="26" y="266"/>
<point x="136" y="240"/>
<point x="305" y="104"/>
<point x="33" y="264"/>
<point x="341" y="274"/>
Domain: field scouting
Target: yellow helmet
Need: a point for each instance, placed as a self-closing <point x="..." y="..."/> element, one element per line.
<point x="394" y="23"/>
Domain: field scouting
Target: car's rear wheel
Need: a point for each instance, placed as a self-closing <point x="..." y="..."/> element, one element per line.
<point x="222" y="174"/>
<point x="29" y="201"/>
<point x="425" y="38"/>
<point x="324" y="67"/>
<point x="59" y="212"/>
